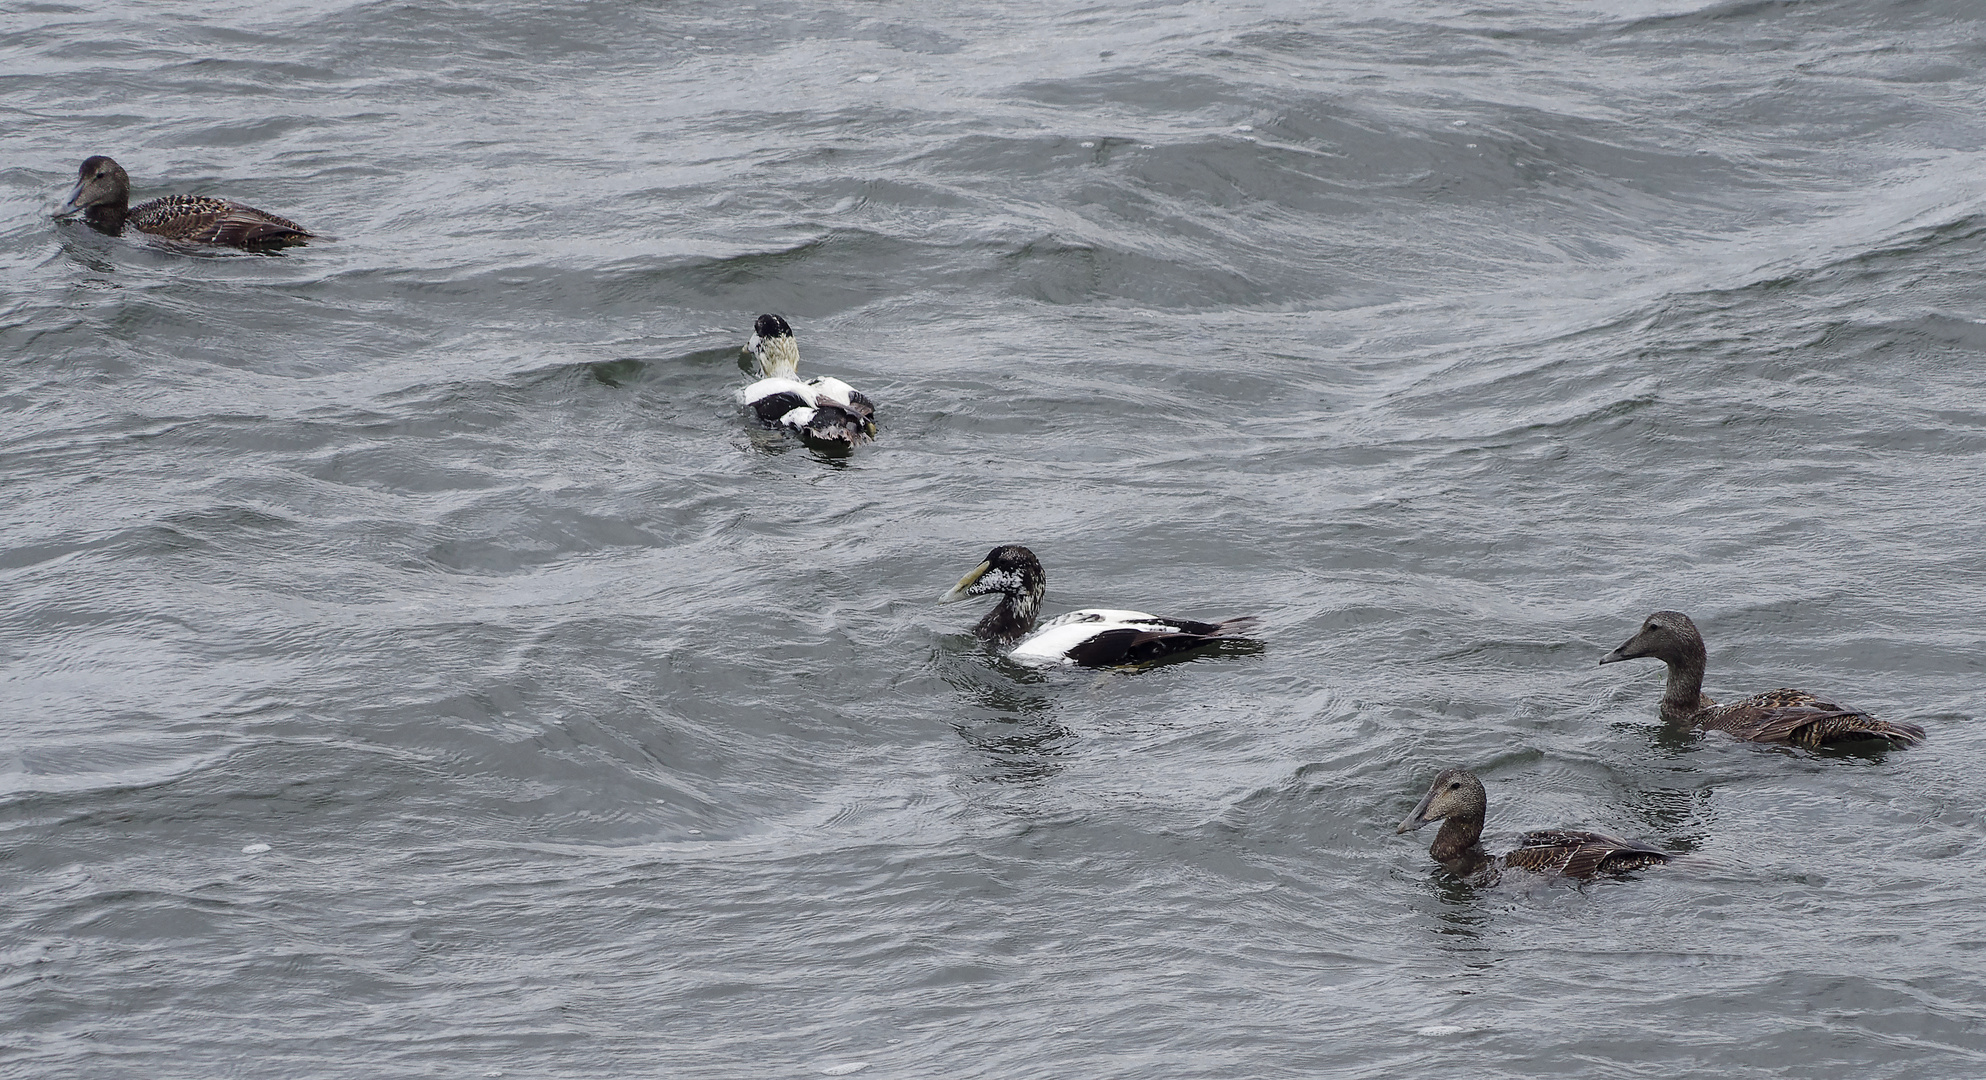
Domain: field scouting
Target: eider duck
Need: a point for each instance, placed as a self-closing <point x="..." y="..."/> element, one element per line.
<point x="825" y="410"/>
<point x="1093" y="637"/>
<point x="103" y="194"/>
<point x="1788" y="716"/>
<point x="1456" y="800"/>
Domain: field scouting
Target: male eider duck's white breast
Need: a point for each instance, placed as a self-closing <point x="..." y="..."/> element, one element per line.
<point x="825" y="411"/>
<point x="1093" y="637"/>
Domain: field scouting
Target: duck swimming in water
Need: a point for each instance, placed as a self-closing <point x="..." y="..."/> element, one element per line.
<point x="1093" y="637"/>
<point x="103" y="194"/>
<point x="1456" y="799"/>
<point x="825" y="410"/>
<point x="1788" y="716"/>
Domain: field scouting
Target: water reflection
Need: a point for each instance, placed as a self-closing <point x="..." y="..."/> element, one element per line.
<point x="1678" y="815"/>
<point x="1019" y="751"/>
<point x="1020" y="740"/>
<point x="1670" y="740"/>
<point x="1460" y="913"/>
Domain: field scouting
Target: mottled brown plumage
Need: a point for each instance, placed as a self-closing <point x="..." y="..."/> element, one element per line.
<point x="103" y="194"/>
<point x="1456" y="799"/>
<point x="1786" y="715"/>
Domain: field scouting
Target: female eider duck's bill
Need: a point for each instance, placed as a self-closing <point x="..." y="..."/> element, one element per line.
<point x="1785" y="715"/>
<point x="103" y="196"/>
<point x="1456" y="799"/>
<point x="1093" y="637"/>
<point x="824" y="412"/>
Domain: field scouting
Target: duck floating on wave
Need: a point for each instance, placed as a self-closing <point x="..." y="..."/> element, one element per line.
<point x="1093" y="637"/>
<point x="1788" y="716"/>
<point x="1456" y="799"/>
<point x="825" y="410"/>
<point x="103" y="194"/>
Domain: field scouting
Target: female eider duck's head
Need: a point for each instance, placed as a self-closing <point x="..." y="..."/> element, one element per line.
<point x="1015" y="574"/>
<point x="1456" y="799"/>
<point x="100" y="182"/>
<point x="1668" y="636"/>
<point x="1456" y="793"/>
<point x="772" y="345"/>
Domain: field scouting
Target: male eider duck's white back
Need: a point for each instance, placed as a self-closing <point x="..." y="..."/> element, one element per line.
<point x="1093" y="637"/>
<point x="103" y="195"/>
<point x="824" y="411"/>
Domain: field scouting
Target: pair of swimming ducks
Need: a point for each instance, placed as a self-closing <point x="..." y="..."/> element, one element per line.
<point x="825" y="411"/>
<point x="829" y="411"/>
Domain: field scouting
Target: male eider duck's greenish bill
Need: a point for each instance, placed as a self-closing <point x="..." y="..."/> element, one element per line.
<point x="103" y="194"/>
<point x="1456" y="799"/>
<point x="1788" y="716"/>
<point x="1093" y="637"/>
<point x="824" y="412"/>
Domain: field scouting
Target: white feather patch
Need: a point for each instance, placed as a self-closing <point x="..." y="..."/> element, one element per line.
<point x="1052" y="642"/>
<point x="765" y="388"/>
<point x="833" y="389"/>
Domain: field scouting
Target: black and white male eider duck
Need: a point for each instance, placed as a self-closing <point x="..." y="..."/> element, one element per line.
<point x="103" y="194"/>
<point x="1788" y="716"/>
<point x="1456" y="799"/>
<point x="825" y="410"/>
<point x="1094" y="637"/>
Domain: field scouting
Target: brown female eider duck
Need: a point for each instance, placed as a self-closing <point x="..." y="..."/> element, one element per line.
<point x="1457" y="801"/>
<point x="1093" y="637"/>
<point x="1788" y="716"/>
<point x="103" y="194"/>
<point x="825" y="410"/>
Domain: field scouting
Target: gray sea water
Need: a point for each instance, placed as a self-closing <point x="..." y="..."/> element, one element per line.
<point x="415" y="666"/>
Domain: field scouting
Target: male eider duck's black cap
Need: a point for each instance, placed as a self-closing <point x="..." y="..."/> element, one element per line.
<point x="771" y="326"/>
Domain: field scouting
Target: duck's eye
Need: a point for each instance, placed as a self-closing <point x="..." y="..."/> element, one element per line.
<point x="1456" y="786"/>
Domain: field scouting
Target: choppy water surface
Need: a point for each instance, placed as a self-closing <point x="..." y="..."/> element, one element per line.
<point x="592" y="733"/>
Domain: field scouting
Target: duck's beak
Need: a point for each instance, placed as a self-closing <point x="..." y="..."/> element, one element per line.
<point x="1625" y="652"/>
<point x="958" y="592"/>
<point x="74" y="202"/>
<point x="1415" y="820"/>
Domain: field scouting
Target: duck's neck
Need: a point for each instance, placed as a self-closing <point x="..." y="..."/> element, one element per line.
<point x="108" y="217"/>
<point x="781" y="359"/>
<point x="1683" y="697"/>
<point x="1456" y="842"/>
<point x="1010" y="619"/>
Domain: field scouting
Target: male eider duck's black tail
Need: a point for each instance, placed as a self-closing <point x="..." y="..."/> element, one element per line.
<point x="1093" y="637"/>
<point x="1456" y="799"/>
<point x="1781" y="716"/>
<point x="103" y="194"/>
<point x="825" y="411"/>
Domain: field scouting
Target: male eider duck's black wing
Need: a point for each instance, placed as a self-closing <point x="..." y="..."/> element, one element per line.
<point x="825" y="410"/>
<point x="103" y="194"/>
<point x="1456" y="799"/>
<point x="1093" y="637"/>
<point x="1787" y="715"/>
